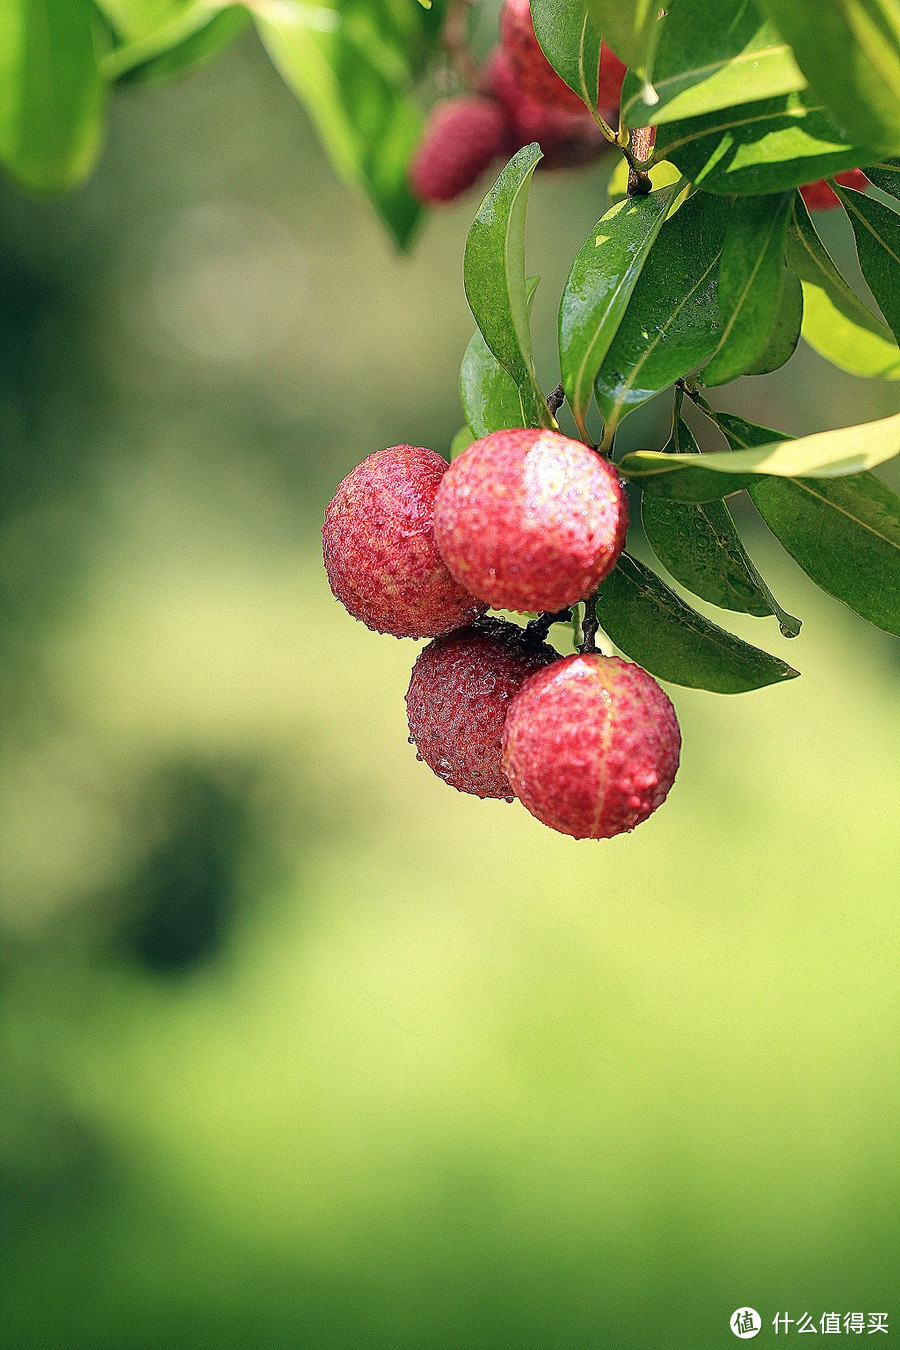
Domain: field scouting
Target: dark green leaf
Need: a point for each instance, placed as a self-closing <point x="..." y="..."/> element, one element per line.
<point x="355" y="93"/>
<point x="600" y="284"/>
<point x="490" y="396"/>
<point x="836" y="323"/>
<point x="751" y="274"/>
<point x="571" y="44"/>
<point x="699" y="545"/>
<point x="845" y="534"/>
<point x="671" y="324"/>
<point x="181" y="46"/>
<point x="849" y="50"/>
<point x="786" y="335"/>
<point x="654" y="626"/>
<point x="703" y="65"/>
<point x="827" y="454"/>
<point x="877" y="231"/>
<point x="768" y="146"/>
<point x="632" y="28"/>
<point x="885" y="176"/>
<point x="51" y="92"/>
<point x="494" y="275"/>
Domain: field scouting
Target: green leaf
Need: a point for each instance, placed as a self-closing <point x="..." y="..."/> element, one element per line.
<point x="786" y="334"/>
<point x="699" y="545"/>
<point x="827" y="454"/>
<point x="849" y="50"/>
<point x="632" y="28"/>
<point x="51" y="92"/>
<point x="570" y="43"/>
<point x="751" y="275"/>
<point x="844" y="532"/>
<point x="656" y="628"/>
<point x="836" y="323"/>
<point x="461" y="441"/>
<point x="355" y="94"/>
<point x="494" y="276"/>
<point x="877" y="231"/>
<point x="768" y="146"/>
<point x="600" y="284"/>
<point x="703" y="65"/>
<point x="671" y="324"/>
<point x="885" y="176"/>
<point x="197" y="34"/>
<point x="661" y="175"/>
<point x="490" y="396"/>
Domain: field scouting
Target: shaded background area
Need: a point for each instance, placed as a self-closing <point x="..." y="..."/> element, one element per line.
<point x="301" y="1048"/>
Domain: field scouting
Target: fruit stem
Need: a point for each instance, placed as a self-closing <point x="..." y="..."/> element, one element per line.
<point x="589" y="625"/>
<point x="455" y="41"/>
<point x="637" y="152"/>
<point x="539" y="628"/>
<point x="556" y="399"/>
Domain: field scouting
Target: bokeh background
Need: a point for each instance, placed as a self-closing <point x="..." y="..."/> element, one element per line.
<point x="300" y="1047"/>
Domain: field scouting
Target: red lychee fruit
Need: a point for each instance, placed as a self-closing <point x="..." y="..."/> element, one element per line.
<point x="534" y="74"/>
<point x="612" y="77"/>
<point x="380" y="553"/>
<point x="530" y="520"/>
<point x="591" y="746"/>
<point x="567" y="138"/>
<point x="820" y="197"/>
<point x="462" y="137"/>
<point x="461" y="687"/>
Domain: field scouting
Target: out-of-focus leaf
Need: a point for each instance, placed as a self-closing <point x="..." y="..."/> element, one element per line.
<point x="367" y="120"/>
<point x="461" y="441"/>
<point x="51" y="92"/>
<point x="489" y="394"/>
<point x="827" y="454"/>
<point x="655" y="627"/>
<point x="786" y="334"/>
<point x="672" y="323"/>
<point x="200" y="32"/>
<point x="751" y="274"/>
<point x="836" y="323"/>
<point x="661" y="175"/>
<point x="849" y="50"/>
<point x="886" y="176"/>
<point x="600" y="284"/>
<point x="844" y="532"/>
<point x="769" y="146"/>
<point x="877" y="231"/>
<point x="705" y="62"/>
<point x="494" y="276"/>
<point x="570" y="43"/>
<point x="700" y="546"/>
<point x="632" y="28"/>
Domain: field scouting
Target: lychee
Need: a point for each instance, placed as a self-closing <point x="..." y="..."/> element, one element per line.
<point x="820" y="197"/>
<point x="530" y="520"/>
<point x="567" y="137"/>
<point x="534" y="74"/>
<point x="612" y="77"/>
<point x="591" y="746"/>
<point x="462" y="137"/>
<point x="461" y="687"/>
<point x="380" y="553"/>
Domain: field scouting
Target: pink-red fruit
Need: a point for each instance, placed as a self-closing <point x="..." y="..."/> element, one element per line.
<point x="568" y="136"/>
<point x="530" y="520"/>
<point x="591" y="746"/>
<point x="820" y="197"/>
<point x="380" y="553"/>
<point x="462" y="137"/>
<point x="534" y="74"/>
<point x="461" y="687"/>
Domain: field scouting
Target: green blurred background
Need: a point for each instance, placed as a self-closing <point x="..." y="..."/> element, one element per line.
<point x="301" y="1048"/>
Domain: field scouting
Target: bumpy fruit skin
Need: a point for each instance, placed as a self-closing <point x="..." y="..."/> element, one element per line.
<point x="462" y="138"/>
<point x="380" y="553"/>
<point x="529" y="520"/>
<point x="534" y="74"/>
<point x="591" y="746"/>
<point x="567" y="137"/>
<point x="819" y="196"/>
<point x="461" y="687"/>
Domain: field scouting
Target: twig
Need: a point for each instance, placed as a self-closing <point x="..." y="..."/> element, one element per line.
<point x="556" y="399"/>
<point x="539" y="628"/>
<point x="589" y="625"/>
<point x="637" y="152"/>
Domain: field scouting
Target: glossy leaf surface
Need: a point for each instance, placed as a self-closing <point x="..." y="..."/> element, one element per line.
<point x="489" y="394"/>
<point x="632" y="28"/>
<point x="786" y="334"/>
<point x="570" y="43"/>
<point x="877" y="231"/>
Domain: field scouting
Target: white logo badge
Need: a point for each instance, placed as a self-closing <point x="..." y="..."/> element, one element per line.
<point x="746" y="1322"/>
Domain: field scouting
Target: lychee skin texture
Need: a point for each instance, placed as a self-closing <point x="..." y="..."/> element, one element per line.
<point x="534" y="74"/>
<point x="567" y="137"/>
<point x="462" y="685"/>
<point x="591" y="746"/>
<point x="463" y="136"/>
<point x="380" y="553"/>
<point x="529" y="520"/>
<point x="820" y="197"/>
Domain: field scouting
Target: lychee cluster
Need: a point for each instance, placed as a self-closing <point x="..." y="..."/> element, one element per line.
<point x="520" y="99"/>
<point x="524" y="520"/>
